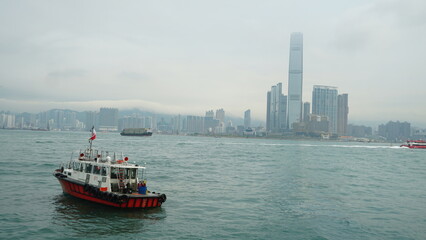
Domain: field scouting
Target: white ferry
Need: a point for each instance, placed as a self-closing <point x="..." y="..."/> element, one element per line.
<point x="415" y="144"/>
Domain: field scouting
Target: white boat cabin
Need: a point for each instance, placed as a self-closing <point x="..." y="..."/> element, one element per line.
<point x="105" y="170"/>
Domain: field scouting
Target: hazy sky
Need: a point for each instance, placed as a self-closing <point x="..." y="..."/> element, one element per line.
<point x="188" y="57"/>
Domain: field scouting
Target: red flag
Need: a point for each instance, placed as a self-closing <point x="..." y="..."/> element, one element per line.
<point x="93" y="137"/>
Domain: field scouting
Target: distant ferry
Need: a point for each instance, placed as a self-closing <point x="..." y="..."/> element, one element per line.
<point x="415" y="144"/>
<point x="136" y="132"/>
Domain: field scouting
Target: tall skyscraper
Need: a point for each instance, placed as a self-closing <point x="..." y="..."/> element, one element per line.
<point x="342" y="114"/>
<point x="276" y="109"/>
<point x="247" y="119"/>
<point x="324" y="103"/>
<point x="295" y="79"/>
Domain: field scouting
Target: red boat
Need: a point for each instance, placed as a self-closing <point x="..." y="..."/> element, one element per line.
<point x="415" y="144"/>
<point x="107" y="178"/>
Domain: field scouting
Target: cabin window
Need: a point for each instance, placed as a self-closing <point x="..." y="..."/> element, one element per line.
<point x="81" y="167"/>
<point x="114" y="173"/>
<point x="76" y="166"/>
<point x="104" y="171"/>
<point x="140" y="173"/>
<point x="96" y="169"/>
<point x="131" y="173"/>
<point x="88" y="168"/>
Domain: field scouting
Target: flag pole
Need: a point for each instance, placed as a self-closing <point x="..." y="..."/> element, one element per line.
<point x="91" y="140"/>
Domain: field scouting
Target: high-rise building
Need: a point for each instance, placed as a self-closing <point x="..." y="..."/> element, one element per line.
<point x="42" y="120"/>
<point x="295" y="79"/>
<point x="210" y="114"/>
<point x="268" y="111"/>
<point x="7" y="120"/>
<point x="324" y="103"/>
<point x="176" y="124"/>
<point x="359" y="131"/>
<point x="59" y="119"/>
<point x="210" y="123"/>
<point x="134" y="121"/>
<point x="342" y="114"/>
<point x="220" y="115"/>
<point x="148" y="122"/>
<point x="247" y="119"/>
<point x="194" y="124"/>
<point x="108" y="119"/>
<point x="276" y="109"/>
<point x="306" y="111"/>
<point x="395" y="131"/>
<point x="70" y="121"/>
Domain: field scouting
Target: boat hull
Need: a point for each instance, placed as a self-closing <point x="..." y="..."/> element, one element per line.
<point x="137" y="134"/>
<point x="82" y="191"/>
<point x="407" y="146"/>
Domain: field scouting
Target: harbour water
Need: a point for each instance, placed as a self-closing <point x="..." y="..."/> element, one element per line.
<point x="220" y="188"/>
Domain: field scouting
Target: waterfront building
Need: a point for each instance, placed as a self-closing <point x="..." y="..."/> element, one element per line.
<point x="419" y="134"/>
<point x="295" y="80"/>
<point x="276" y="110"/>
<point x="395" y="131"/>
<point x="247" y="119"/>
<point x="210" y="123"/>
<point x="268" y="111"/>
<point x="26" y="120"/>
<point x="90" y="120"/>
<point x="58" y="119"/>
<point x="164" y="126"/>
<point x="210" y="114"/>
<point x="306" y="111"/>
<point x="184" y="125"/>
<point x="177" y="127"/>
<point x="131" y="122"/>
<point x="43" y="120"/>
<point x="359" y="131"/>
<point x="148" y="123"/>
<point x="220" y="115"/>
<point x="108" y="119"/>
<point x="7" y="120"/>
<point x="318" y="124"/>
<point x="342" y="114"/>
<point x="324" y="103"/>
<point x="70" y="120"/>
<point x="194" y="124"/>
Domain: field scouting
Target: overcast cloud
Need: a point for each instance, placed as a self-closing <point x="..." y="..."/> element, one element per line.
<point x="191" y="56"/>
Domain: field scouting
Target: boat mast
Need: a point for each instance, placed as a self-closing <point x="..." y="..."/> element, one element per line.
<point x="92" y="137"/>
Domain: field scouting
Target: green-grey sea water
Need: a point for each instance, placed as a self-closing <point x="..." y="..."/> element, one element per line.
<point x="220" y="188"/>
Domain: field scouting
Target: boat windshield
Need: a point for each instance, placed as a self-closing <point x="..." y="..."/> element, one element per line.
<point x="129" y="173"/>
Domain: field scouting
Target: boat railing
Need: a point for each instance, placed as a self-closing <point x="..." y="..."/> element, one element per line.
<point x="94" y="155"/>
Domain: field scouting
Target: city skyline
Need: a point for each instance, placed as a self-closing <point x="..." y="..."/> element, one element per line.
<point x="313" y="126"/>
<point x="182" y="58"/>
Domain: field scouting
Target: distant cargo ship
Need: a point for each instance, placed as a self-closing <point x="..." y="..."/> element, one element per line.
<point x="136" y="132"/>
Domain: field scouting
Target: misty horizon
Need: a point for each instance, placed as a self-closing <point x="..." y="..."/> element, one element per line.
<point x="229" y="115"/>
